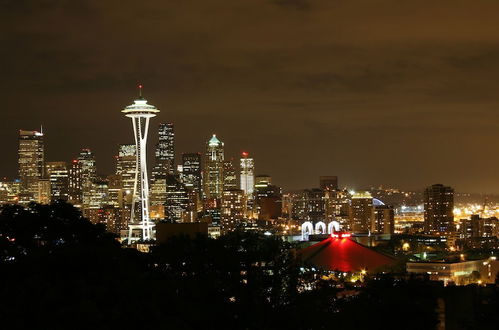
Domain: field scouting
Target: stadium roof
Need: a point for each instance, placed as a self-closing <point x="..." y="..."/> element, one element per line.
<point x="343" y="254"/>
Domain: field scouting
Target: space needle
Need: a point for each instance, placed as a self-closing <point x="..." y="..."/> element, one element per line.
<point x="140" y="112"/>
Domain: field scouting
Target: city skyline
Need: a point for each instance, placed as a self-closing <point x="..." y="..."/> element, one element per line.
<point x="152" y="151"/>
<point x="367" y="92"/>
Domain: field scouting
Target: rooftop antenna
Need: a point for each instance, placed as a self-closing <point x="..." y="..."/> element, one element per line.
<point x="41" y="129"/>
<point x="140" y="90"/>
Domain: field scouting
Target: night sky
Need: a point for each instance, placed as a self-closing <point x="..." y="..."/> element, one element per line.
<point x="399" y="93"/>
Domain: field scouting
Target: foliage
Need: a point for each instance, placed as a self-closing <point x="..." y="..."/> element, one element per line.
<point x="59" y="271"/>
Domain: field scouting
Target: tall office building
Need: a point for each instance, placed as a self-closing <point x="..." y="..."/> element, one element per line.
<point x="328" y="182"/>
<point x="125" y="165"/>
<point x="308" y="205"/>
<point x="438" y="209"/>
<point x="337" y="207"/>
<point x="247" y="174"/>
<point x="232" y="210"/>
<point x="88" y="165"/>
<point x="58" y="175"/>
<point x="82" y="173"/>
<point x="44" y="192"/>
<point x="31" y="163"/>
<point x="213" y="169"/>
<point x="268" y="198"/>
<point x="361" y="212"/>
<point x="140" y="112"/>
<point x="165" y="151"/>
<point x="178" y="203"/>
<point x="75" y="183"/>
<point x="384" y="219"/>
<point x="229" y="175"/>
<point x="191" y="171"/>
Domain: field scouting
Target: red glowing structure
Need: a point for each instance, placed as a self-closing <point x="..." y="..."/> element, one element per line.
<point x="340" y="253"/>
<point x="341" y="235"/>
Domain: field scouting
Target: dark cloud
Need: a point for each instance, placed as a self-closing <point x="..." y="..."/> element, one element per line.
<point x="377" y="92"/>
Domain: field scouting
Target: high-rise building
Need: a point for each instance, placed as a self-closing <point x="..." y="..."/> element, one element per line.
<point x="126" y="165"/>
<point x="44" y="192"/>
<point x="337" y="207"/>
<point x="99" y="194"/>
<point x="140" y="112"/>
<point x="165" y="151"/>
<point x="438" y="210"/>
<point x="125" y="168"/>
<point x="88" y="165"/>
<point x="115" y="188"/>
<point x="213" y="169"/>
<point x="247" y="174"/>
<point x="328" y="182"/>
<point x="178" y="203"/>
<point x="58" y="175"/>
<point x="229" y="175"/>
<point x="191" y="171"/>
<point x="75" y="183"/>
<point x="268" y="198"/>
<point x="384" y="219"/>
<point x="361" y="212"/>
<point x="31" y="163"/>
<point x="82" y="172"/>
<point x="308" y="205"/>
<point x="233" y="210"/>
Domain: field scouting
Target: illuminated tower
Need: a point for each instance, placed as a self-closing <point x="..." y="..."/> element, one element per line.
<point x="247" y="174"/>
<point x="191" y="176"/>
<point x="213" y="168"/>
<point x="165" y="151"/>
<point x="140" y="112"/>
<point x="438" y="210"/>
<point x="31" y="162"/>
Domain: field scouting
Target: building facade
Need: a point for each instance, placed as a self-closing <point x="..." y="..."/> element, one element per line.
<point x="165" y="151"/>
<point x="361" y="212"/>
<point x="31" y="163"/>
<point x="438" y="210"/>
<point x="247" y="176"/>
<point x="191" y="171"/>
<point x="213" y="169"/>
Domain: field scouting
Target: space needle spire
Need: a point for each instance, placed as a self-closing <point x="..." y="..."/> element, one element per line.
<point x="140" y="226"/>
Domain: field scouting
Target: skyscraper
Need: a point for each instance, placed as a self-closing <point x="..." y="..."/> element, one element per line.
<point x="268" y="198"/>
<point x="178" y="203"/>
<point x="247" y="175"/>
<point x="361" y="212"/>
<point x="384" y="219"/>
<point x="88" y="167"/>
<point x="229" y="175"/>
<point x="438" y="209"/>
<point x="75" y="183"/>
<point x="191" y="171"/>
<point x="126" y="165"/>
<point x="58" y="175"/>
<point x="165" y="151"/>
<point x="233" y="210"/>
<point x="88" y="173"/>
<point x="31" y="162"/>
<point x="213" y="169"/>
<point x="140" y="112"/>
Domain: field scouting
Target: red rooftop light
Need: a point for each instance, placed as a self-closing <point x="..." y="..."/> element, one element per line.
<point x="341" y="235"/>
